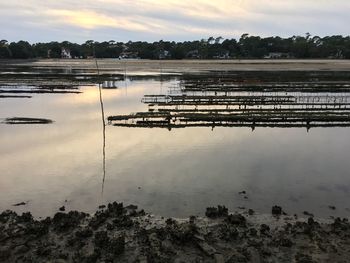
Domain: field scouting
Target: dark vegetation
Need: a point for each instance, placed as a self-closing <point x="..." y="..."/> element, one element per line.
<point x="245" y="47"/>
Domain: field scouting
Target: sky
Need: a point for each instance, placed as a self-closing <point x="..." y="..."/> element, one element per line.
<point x="174" y="20"/>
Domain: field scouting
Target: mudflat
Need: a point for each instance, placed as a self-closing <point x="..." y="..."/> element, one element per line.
<point x="189" y="65"/>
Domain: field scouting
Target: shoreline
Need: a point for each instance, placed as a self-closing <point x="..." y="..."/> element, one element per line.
<point x="186" y="65"/>
<point x="117" y="233"/>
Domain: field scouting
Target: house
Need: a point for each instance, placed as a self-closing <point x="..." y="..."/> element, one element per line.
<point x="65" y="53"/>
<point x="193" y="54"/>
<point x="164" y="54"/>
<point x="222" y="55"/>
<point x="128" y="55"/>
<point x="276" y="55"/>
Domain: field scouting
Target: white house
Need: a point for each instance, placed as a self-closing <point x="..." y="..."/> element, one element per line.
<point x="65" y="53"/>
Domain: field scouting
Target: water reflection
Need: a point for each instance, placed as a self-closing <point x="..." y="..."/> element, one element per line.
<point x="176" y="173"/>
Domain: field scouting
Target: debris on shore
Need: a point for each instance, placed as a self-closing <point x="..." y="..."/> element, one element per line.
<point x="126" y="234"/>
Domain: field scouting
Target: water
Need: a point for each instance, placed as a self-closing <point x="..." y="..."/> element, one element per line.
<point x="173" y="173"/>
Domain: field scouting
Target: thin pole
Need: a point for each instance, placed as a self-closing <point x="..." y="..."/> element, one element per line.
<point x="103" y="128"/>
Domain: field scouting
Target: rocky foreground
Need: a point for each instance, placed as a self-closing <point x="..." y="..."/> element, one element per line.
<point x="125" y="234"/>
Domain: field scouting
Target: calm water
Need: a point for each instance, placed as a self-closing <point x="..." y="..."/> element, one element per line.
<point x="172" y="173"/>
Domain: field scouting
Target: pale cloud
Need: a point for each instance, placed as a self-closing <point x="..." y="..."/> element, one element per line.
<point x="91" y="20"/>
<point x="151" y="20"/>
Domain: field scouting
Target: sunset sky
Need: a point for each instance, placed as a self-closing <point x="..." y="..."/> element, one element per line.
<point x="150" y="20"/>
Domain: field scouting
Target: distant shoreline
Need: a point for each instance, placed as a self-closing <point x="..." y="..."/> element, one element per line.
<point x="188" y="65"/>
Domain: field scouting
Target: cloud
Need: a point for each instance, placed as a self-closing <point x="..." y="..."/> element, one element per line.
<point x="91" y="20"/>
<point x="150" y="20"/>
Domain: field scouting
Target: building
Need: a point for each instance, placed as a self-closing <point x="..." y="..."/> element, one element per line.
<point x="65" y="53"/>
<point x="164" y="54"/>
<point x="193" y="54"/>
<point x="128" y="55"/>
<point x="276" y="55"/>
<point x="222" y="55"/>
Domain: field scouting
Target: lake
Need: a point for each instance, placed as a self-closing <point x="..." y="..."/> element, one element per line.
<point x="221" y="140"/>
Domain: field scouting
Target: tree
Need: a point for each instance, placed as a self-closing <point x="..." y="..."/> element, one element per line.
<point x="4" y="49"/>
<point x="218" y="39"/>
<point x="21" y="49"/>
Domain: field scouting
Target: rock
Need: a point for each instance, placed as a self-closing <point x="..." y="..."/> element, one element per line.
<point x="276" y="210"/>
<point x="199" y="237"/>
<point x="253" y="232"/>
<point x="308" y="214"/>
<point x="255" y="242"/>
<point x="101" y="239"/>
<point x="84" y="233"/>
<point x="6" y="215"/>
<point x="213" y="212"/>
<point x="219" y="258"/>
<point x="117" y="245"/>
<point x="303" y="258"/>
<point x="131" y="210"/>
<point x="5" y="254"/>
<point x="264" y="229"/>
<point x="110" y="227"/>
<point x="44" y="250"/>
<point x="237" y="257"/>
<point x="311" y="221"/>
<point x="26" y="217"/>
<point x="331" y="207"/>
<point x="340" y="225"/>
<point x="192" y="219"/>
<point x="123" y="221"/>
<point x="285" y="242"/>
<point x="206" y="248"/>
<point x="251" y="212"/>
<point x="170" y="221"/>
<point x="131" y="207"/>
<point x="228" y="232"/>
<point x="242" y="192"/>
<point x="21" y="249"/>
<point x="63" y="222"/>
<point x="101" y="207"/>
<point x="142" y="259"/>
<point x="254" y="255"/>
<point x="62" y="208"/>
<point x="99" y="218"/>
<point x="115" y="209"/>
<point x="236" y="219"/>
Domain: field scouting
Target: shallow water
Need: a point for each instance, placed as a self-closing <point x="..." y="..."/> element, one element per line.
<point x="172" y="173"/>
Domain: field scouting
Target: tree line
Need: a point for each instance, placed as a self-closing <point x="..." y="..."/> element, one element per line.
<point x="246" y="46"/>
